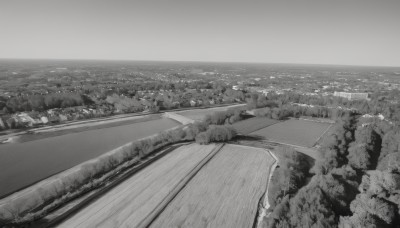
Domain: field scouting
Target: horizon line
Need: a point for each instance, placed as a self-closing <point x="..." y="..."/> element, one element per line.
<point x="196" y="61"/>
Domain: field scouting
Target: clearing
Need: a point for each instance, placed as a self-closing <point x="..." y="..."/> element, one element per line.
<point x="253" y="124"/>
<point x="129" y="203"/>
<point x="294" y="132"/>
<point x="199" y="114"/>
<point x="225" y="192"/>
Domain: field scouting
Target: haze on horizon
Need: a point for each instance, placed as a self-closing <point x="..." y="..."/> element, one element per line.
<point x="343" y="32"/>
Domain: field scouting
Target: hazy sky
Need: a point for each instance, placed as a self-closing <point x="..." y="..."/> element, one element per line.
<point x="355" y="32"/>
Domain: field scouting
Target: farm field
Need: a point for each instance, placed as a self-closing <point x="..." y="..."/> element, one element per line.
<point x="295" y="132"/>
<point x="253" y="124"/>
<point x="224" y="193"/>
<point x="199" y="114"/>
<point x="129" y="203"/>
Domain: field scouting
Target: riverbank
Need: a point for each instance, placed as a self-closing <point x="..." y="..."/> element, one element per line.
<point x="42" y="134"/>
<point x="37" y="200"/>
<point x="96" y="123"/>
<point x="26" y="163"/>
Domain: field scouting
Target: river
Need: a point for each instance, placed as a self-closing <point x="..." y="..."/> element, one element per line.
<point x="22" y="164"/>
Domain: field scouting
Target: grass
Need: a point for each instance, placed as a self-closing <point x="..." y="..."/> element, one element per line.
<point x="129" y="203"/>
<point x="326" y="136"/>
<point x="253" y="124"/>
<point x="295" y="132"/>
<point x="225" y="193"/>
<point x="199" y="114"/>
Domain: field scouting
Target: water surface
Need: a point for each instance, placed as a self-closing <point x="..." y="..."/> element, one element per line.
<point x="22" y="164"/>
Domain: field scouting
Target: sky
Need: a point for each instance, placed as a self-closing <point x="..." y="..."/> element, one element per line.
<point x="344" y="32"/>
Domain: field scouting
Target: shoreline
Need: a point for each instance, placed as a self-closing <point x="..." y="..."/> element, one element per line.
<point x="96" y="123"/>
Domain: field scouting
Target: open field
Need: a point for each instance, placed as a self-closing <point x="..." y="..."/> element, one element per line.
<point x="199" y="114"/>
<point x="253" y="124"/>
<point x="272" y="146"/>
<point x="225" y="193"/>
<point x="129" y="203"/>
<point x="294" y="132"/>
<point x="326" y="135"/>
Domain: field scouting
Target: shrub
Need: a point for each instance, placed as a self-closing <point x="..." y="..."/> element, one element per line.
<point x="216" y="134"/>
<point x="229" y="116"/>
<point x="203" y="138"/>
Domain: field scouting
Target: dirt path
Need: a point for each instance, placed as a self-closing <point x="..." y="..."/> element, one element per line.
<point x="265" y="204"/>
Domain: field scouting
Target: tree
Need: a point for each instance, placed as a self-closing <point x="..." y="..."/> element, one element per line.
<point x="359" y="157"/>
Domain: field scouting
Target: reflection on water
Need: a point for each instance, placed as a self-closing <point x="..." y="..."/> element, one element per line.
<point x="25" y="163"/>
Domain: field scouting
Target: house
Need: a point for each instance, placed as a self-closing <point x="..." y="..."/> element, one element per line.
<point x="51" y="112"/>
<point x="367" y="116"/>
<point x="44" y="119"/>
<point x="2" y="125"/>
<point x="24" y="119"/>
<point x="351" y="96"/>
<point x="85" y="111"/>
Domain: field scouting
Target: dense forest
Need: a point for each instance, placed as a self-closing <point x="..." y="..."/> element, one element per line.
<point x="355" y="184"/>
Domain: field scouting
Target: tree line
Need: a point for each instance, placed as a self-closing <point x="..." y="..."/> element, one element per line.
<point x="351" y="186"/>
<point x="43" y="102"/>
<point x="378" y="104"/>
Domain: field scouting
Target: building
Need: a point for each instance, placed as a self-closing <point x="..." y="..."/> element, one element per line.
<point x="44" y="119"/>
<point x="2" y="125"/>
<point x="237" y="87"/>
<point x="25" y="119"/>
<point x="352" y="96"/>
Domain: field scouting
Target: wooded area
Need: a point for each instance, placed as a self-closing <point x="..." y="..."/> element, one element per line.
<point x="346" y="189"/>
